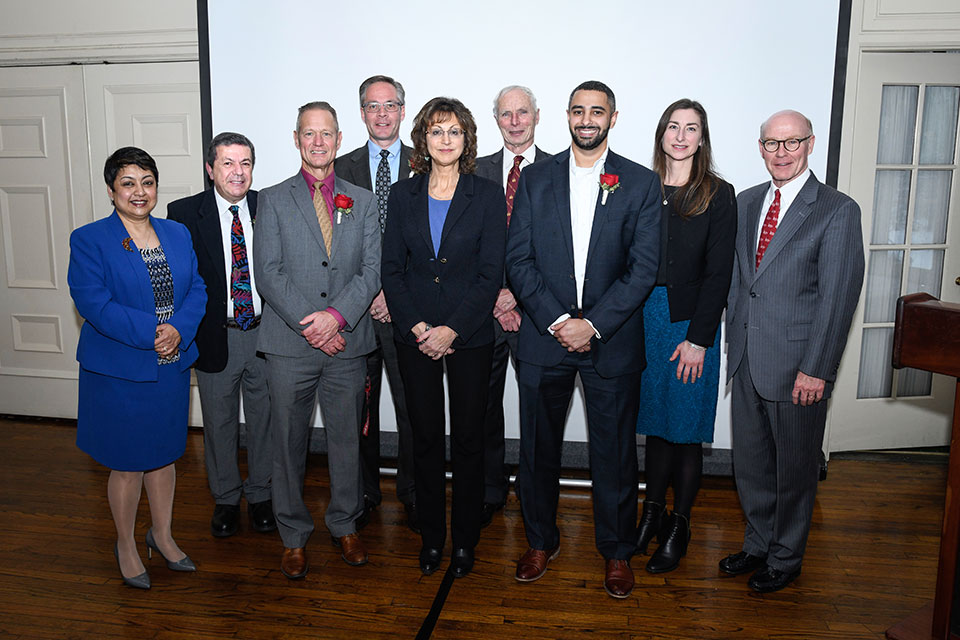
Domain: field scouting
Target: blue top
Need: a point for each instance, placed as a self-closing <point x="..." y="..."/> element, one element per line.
<point x="373" y="151"/>
<point x="438" y="215"/>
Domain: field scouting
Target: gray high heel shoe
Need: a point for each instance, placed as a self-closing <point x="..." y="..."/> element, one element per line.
<point x="184" y="564"/>
<point x="141" y="581"/>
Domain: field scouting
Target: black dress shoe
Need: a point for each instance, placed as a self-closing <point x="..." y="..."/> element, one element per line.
<point x="651" y="521"/>
<point x="742" y="562"/>
<point x="486" y="513"/>
<point x="225" y="521"/>
<point x="673" y="544"/>
<point x="261" y="516"/>
<point x="430" y="560"/>
<point x="369" y="505"/>
<point x="769" y="579"/>
<point x="461" y="562"/>
<point x="413" y="518"/>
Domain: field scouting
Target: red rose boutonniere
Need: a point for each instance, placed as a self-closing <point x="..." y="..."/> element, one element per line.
<point x="609" y="182"/>
<point x="344" y="205"/>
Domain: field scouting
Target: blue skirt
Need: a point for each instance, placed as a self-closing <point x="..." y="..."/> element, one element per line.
<point x="669" y="409"/>
<point x="134" y="426"/>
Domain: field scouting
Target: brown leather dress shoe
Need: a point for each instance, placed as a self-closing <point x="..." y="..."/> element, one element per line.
<point x="533" y="564"/>
<point x="294" y="563"/>
<point x="351" y="549"/>
<point x="618" y="582"/>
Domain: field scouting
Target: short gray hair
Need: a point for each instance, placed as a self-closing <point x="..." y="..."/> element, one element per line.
<point x="506" y="90"/>
<point x="322" y="105"/>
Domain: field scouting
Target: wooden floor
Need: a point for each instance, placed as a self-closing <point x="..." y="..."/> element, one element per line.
<point x="871" y="561"/>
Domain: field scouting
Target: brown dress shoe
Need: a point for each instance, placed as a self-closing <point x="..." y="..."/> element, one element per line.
<point x="533" y="564"/>
<point x="294" y="563"/>
<point x="618" y="581"/>
<point x="352" y="550"/>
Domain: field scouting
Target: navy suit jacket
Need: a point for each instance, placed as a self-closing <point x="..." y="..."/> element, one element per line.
<point x="200" y="215"/>
<point x="110" y="286"/>
<point x="621" y="262"/>
<point x="457" y="287"/>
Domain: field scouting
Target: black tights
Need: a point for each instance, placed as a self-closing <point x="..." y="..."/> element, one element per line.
<point x="670" y="461"/>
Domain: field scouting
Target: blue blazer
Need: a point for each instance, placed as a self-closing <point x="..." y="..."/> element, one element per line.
<point x="110" y="287"/>
<point x="622" y="262"/>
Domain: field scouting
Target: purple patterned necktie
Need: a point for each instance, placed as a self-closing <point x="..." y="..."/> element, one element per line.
<point x="240" y="274"/>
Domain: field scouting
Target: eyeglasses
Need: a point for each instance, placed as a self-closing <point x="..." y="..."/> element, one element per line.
<point x="389" y="107"/>
<point x="438" y="133"/>
<point x="791" y="144"/>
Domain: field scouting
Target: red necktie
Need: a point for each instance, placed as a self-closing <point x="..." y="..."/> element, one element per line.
<point x="769" y="226"/>
<point x="512" y="179"/>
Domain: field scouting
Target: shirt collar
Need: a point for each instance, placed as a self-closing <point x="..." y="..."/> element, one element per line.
<point x="595" y="169"/>
<point x="374" y="149"/>
<point x="224" y="207"/>
<point x="329" y="181"/>
<point x="790" y="190"/>
<point x="529" y="154"/>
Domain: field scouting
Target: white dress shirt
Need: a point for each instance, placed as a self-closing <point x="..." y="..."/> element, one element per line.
<point x="226" y="224"/>
<point x="788" y="193"/>
<point x="529" y="156"/>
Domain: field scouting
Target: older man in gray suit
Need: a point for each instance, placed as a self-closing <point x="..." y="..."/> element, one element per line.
<point x="796" y="283"/>
<point x="318" y="269"/>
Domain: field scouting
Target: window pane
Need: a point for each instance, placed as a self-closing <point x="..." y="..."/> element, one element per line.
<point x="883" y="285"/>
<point x="898" y="123"/>
<point x="891" y="195"/>
<point x="926" y="271"/>
<point x="938" y="133"/>
<point x="876" y="372"/>
<point x="913" y="382"/>
<point x="931" y="207"/>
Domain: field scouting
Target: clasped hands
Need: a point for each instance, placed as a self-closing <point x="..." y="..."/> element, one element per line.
<point x="166" y="340"/>
<point x="574" y="334"/>
<point x="434" y="341"/>
<point x="322" y="331"/>
<point x="505" y="311"/>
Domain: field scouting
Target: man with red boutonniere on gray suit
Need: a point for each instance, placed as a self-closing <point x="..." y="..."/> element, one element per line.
<point x="582" y="255"/>
<point x="318" y="269"/>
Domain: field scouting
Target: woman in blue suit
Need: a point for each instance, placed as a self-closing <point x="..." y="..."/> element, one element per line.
<point x="442" y="268"/>
<point x="134" y="281"/>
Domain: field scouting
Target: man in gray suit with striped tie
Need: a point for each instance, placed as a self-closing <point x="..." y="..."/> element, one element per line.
<point x="796" y="283"/>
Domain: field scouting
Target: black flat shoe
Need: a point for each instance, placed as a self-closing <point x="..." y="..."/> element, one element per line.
<point x="673" y="545"/>
<point x="430" y="560"/>
<point x="769" y="579"/>
<point x="486" y="513"/>
<point x="225" y="521"/>
<point x="461" y="562"/>
<point x="651" y="521"/>
<point x="742" y="562"/>
<point x="261" y="516"/>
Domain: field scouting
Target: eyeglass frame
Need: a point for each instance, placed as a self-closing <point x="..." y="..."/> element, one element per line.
<point x="438" y="133"/>
<point x="376" y="107"/>
<point x="763" y="143"/>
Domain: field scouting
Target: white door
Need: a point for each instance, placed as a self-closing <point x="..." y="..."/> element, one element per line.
<point x="57" y="126"/>
<point x="906" y="177"/>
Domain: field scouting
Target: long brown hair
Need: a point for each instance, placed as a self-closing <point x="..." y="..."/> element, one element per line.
<point x="439" y="110"/>
<point x="692" y="198"/>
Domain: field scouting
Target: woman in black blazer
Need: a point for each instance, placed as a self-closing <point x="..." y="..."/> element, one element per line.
<point x="678" y="390"/>
<point x="443" y="252"/>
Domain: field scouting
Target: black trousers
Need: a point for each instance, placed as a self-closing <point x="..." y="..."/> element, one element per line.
<point x="611" y="405"/>
<point x="495" y="476"/>
<point x="468" y="374"/>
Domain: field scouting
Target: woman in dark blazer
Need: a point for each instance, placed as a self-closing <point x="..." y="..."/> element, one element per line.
<point x="678" y="390"/>
<point x="134" y="281"/>
<point x="442" y="267"/>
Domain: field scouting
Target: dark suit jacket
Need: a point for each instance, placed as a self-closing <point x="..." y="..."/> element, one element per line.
<point x="458" y="287"/>
<point x="110" y="286"/>
<point x="199" y="214"/>
<point x="355" y="166"/>
<point x="794" y="312"/>
<point x="491" y="167"/>
<point x="699" y="263"/>
<point x="621" y="262"/>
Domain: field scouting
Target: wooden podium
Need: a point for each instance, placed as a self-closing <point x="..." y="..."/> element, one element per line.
<point x="927" y="336"/>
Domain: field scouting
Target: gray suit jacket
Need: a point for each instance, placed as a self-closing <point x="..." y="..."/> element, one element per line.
<point x="295" y="277"/>
<point x="793" y="313"/>
<point x="355" y="166"/>
<point x="491" y="167"/>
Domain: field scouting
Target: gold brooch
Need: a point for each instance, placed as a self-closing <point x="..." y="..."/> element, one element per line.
<point x="126" y="243"/>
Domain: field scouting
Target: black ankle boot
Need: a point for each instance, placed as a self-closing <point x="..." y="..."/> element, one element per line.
<point x="651" y="521"/>
<point x="673" y="544"/>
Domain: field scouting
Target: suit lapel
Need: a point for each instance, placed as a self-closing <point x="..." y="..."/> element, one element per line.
<point x="209" y="226"/>
<point x="561" y="191"/>
<point x="361" y="161"/>
<point x="300" y="193"/>
<point x="421" y="209"/>
<point x="458" y="205"/>
<point x="599" y="218"/>
<point x="404" y="170"/>
<point x="122" y="240"/>
<point x="793" y="219"/>
<point x="496" y="164"/>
